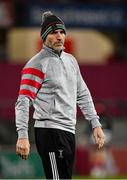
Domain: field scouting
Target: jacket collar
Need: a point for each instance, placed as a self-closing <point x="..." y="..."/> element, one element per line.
<point x="52" y="51"/>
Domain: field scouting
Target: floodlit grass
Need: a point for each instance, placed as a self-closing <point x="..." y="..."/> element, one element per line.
<point x="89" y="177"/>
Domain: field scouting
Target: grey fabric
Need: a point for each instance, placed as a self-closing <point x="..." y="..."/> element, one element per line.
<point x="61" y="90"/>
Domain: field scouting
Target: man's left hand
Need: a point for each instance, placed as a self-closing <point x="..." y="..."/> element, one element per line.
<point x="99" y="136"/>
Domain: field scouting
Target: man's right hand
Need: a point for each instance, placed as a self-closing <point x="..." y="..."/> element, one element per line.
<point x="23" y="148"/>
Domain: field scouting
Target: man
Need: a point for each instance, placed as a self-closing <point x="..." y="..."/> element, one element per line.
<point x="52" y="83"/>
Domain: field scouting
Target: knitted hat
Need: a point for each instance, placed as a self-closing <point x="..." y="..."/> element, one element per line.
<point x="50" y="23"/>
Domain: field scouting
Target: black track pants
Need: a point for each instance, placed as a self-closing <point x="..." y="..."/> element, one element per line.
<point x="56" y="149"/>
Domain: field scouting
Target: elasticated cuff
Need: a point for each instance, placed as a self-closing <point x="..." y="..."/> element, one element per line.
<point x="22" y="134"/>
<point x="95" y="123"/>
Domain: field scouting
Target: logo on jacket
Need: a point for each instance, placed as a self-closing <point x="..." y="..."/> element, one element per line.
<point x="60" y="153"/>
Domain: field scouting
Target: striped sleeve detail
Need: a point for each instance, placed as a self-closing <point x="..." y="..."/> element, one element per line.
<point x="31" y="83"/>
<point x="27" y="93"/>
<point x="33" y="71"/>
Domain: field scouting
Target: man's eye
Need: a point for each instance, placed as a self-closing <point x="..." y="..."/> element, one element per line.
<point x="62" y="32"/>
<point x="54" y="32"/>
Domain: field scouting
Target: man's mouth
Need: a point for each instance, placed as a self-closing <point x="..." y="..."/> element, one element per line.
<point x="59" y="44"/>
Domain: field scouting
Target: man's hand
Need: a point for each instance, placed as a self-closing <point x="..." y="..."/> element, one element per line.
<point x="23" y="148"/>
<point x="99" y="136"/>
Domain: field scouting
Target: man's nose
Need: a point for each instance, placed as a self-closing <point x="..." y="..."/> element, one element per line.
<point x="59" y="35"/>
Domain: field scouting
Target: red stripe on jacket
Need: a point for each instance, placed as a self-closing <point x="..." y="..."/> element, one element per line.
<point x="33" y="71"/>
<point x="31" y="83"/>
<point x="27" y="93"/>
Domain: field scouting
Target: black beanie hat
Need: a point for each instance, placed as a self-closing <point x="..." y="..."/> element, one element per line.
<point x="50" y="23"/>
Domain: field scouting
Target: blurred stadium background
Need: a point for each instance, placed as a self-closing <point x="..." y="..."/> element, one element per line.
<point x="97" y="36"/>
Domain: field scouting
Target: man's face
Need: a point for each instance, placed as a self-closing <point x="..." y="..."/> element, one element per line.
<point x="55" y="40"/>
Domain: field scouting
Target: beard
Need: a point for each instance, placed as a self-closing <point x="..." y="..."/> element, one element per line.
<point x="58" y="48"/>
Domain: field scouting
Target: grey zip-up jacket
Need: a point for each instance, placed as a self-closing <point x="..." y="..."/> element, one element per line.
<point x="54" y="86"/>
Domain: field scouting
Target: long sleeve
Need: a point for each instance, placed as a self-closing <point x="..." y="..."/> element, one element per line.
<point x="31" y="82"/>
<point x="85" y="102"/>
<point x="22" y="116"/>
